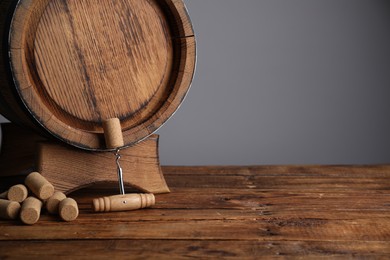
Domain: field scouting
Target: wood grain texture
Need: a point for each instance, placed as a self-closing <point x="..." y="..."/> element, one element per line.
<point x="77" y="63"/>
<point x="69" y="168"/>
<point x="228" y="212"/>
<point x="217" y="249"/>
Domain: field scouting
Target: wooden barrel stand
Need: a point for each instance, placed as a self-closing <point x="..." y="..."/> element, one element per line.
<point x="70" y="169"/>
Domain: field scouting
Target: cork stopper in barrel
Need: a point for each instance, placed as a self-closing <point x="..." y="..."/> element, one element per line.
<point x="113" y="133"/>
<point x="9" y="209"/>
<point x="39" y="185"/>
<point x="30" y="211"/>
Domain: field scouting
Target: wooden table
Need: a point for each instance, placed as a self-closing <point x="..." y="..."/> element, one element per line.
<point x="227" y="212"/>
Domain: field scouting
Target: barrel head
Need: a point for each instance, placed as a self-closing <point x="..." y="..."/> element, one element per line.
<point x="78" y="63"/>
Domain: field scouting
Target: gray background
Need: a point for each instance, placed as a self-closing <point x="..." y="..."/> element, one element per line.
<point x="285" y="82"/>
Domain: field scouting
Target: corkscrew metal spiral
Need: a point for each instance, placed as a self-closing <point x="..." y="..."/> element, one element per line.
<point x="120" y="172"/>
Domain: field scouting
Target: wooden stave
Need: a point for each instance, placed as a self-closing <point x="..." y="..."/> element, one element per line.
<point x="10" y="106"/>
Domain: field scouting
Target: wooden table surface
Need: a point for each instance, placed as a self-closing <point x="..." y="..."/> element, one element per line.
<point x="226" y="212"/>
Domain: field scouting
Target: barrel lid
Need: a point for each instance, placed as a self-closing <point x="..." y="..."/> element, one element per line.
<point x="78" y="63"/>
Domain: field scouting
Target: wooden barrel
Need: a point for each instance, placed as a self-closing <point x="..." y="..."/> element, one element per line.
<point x="67" y="66"/>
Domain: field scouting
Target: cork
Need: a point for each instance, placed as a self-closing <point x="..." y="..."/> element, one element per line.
<point x="17" y="193"/>
<point x="31" y="210"/>
<point x="123" y="202"/>
<point x="9" y="209"/>
<point x="3" y="195"/>
<point x="53" y="202"/>
<point x="113" y="133"/>
<point x="39" y="185"/>
<point x="68" y="209"/>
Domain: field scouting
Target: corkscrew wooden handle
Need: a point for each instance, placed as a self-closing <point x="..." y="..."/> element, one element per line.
<point x="123" y="202"/>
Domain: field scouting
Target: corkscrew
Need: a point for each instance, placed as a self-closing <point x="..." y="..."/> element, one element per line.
<point x="122" y="202"/>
